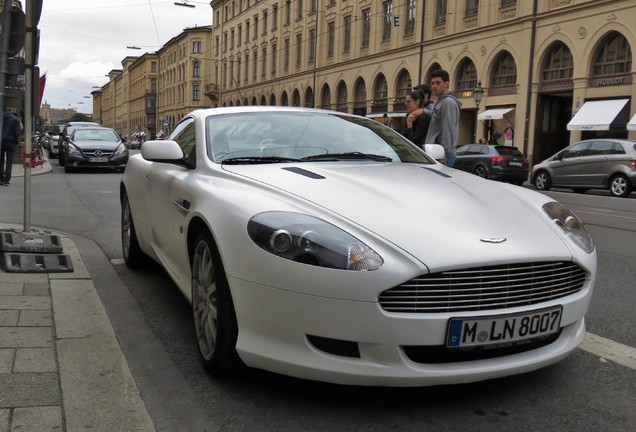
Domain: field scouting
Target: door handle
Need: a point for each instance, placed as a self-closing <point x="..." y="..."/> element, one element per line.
<point x="183" y="206"/>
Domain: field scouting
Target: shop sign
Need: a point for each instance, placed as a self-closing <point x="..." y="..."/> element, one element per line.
<point x="610" y="81"/>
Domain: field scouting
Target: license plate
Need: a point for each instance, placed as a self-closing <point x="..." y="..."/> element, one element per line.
<point x="497" y="330"/>
<point x="98" y="159"/>
<point x="515" y="163"/>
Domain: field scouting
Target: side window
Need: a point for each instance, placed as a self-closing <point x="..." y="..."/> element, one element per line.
<point x="472" y="150"/>
<point x="617" y="149"/>
<point x="485" y="150"/>
<point x="600" y="148"/>
<point x="184" y="135"/>
<point x="577" y="150"/>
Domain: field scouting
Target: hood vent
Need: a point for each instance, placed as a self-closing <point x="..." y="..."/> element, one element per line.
<point x="304" y="172"/>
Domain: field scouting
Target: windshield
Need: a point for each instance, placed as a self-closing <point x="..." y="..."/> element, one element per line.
<point x="95" y="135"/>
<point x="275" y="137"/>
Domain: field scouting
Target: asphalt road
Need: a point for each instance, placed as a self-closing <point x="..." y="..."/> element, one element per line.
<point x="585" y="392"/>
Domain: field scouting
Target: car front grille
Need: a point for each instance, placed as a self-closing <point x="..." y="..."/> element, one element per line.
<point x="97" y="153"/>
<point x="485" y="288"/>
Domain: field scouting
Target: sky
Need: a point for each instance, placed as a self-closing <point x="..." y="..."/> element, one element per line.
<point x="81" y="41"/>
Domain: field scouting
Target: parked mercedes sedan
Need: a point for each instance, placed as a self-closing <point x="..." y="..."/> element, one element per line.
<point x="326" y="246"/>
<point x="94" y="147"/>
<point x="602" y="163"/>
<point x="495" y="162"/>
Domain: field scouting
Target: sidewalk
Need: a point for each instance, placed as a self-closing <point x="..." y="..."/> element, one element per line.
<point x="61" y="366"/>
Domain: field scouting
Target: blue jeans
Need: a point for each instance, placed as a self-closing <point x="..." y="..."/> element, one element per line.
<point x="450" y="161"/>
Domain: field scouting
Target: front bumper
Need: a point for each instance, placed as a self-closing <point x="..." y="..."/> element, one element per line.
<point x="79" y="161"/>
<point x="286" y="332"/>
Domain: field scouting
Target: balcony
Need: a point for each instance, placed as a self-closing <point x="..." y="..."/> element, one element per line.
<point x="212" y="91"/>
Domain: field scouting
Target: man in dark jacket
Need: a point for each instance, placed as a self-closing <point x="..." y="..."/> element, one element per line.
<point x="11" y="131"/>
<point x="444" y="126"/>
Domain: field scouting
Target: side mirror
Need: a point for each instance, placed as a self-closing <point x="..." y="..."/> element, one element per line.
<point x="435" y="151"/>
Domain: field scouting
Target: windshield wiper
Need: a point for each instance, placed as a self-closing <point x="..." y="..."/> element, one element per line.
<point x="257" y="160"/>
<point x="347" y="156"/>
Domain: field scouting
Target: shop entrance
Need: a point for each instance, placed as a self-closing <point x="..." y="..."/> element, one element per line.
<point x="554" y="111"/>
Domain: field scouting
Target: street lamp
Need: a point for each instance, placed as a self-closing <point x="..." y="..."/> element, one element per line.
<point x="184" y="3"/>
<point x="478" y="95"/>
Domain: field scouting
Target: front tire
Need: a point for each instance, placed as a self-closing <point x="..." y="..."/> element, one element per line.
<point x="542" y="181"/>
<point x="620" y="186"/>
<point x="134" y="257"/>
<point x="215" y="321"/>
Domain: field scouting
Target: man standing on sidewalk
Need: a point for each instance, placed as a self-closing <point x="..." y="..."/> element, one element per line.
<point x="444" y="126"/>
<point x="11" y="131"/>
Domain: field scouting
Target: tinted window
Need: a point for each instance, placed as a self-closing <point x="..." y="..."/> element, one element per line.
<point x="509" y="151"/>
<point x="605" y="148"/>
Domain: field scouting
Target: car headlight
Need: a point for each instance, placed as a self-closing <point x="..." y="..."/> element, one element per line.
<point x="72" y="149"/>
<point x="309" y="240"/>
<point x="121" y="149"/>
<point x="570" y="224"/>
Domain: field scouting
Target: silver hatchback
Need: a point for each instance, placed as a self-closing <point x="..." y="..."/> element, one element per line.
<point x="602" y="163"/>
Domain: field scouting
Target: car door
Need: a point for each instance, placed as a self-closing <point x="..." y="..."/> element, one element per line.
<point x="601" y="160"/>
<point x="466" y="158"/>
<point x="166" y="190"/>
<point x="566" y="167"/>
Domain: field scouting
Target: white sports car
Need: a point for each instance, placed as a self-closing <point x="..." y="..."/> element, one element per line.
<point x="326" y="246"/>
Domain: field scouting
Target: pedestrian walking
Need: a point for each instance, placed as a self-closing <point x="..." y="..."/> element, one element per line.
<point x="444" y="126"/>
<point x="11" y="131"/>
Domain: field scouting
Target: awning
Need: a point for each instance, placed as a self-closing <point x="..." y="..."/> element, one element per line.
<point x="600" y="115"/>
<point x="631" y="125"/>
<point x="494" y="114"/>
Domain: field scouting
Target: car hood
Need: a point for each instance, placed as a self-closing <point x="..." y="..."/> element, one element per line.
<point x="436" y="214"/>
<point x="93" y="144"/>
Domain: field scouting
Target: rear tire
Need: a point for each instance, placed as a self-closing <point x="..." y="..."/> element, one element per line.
<point x="620" y="186"/>
<point x="481" y="171"/>
<point x="542" y="181"/>
<point x="215" y="321"/>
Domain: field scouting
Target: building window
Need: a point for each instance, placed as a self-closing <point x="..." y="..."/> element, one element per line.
<point x="331" y="36"/>
<point x="255" y="65"/>
<point x="341" y="97"/>
<point x="287" y="11"/>
<point x="508" y="3"/>
<point x="224" y="42"/>
<point x="256" y="27"/>
<point x="613" y="56"/>
<point x="404" y="87"/>
<point x="247" y="31"/>
<point x="238" y="71"/>
<point x="274" y="56"/>
<point x="153" y="66"/>
<point x="380" y="93"/>
<point x="264" y="22"/>
<point x="232" y="39"/>
<point x="196" y="69"/>
<point x="312" y="45"/>
<point x="286" y="54"/>
<point x="467" y="76"/>
<point x="360" y="98"/>
<point x="558" y="64"/>
<point x="217" y="43"/>
<point x="247" y="67"/>
<point x="387" y="18"/>
<point x="264" y="61"/>
<point x="472" y="8"/>
<point x="313" y="8"/>
<point x="299" y="49"/>
<point x="274" y="17"/>
<point x="346" y="43"/>
<point x="299" y="9"/>
<point x="366" y="27"/>
<point x="196" y="47"/>
<point x="440" y="12"/>
<point x="505" y="70"/>
<point x="325" y="97"/>
<point x="411" y="6"/>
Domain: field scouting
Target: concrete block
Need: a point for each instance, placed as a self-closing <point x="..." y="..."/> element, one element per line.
<point x="40" y="242"/>
<point x="18" y="262"/>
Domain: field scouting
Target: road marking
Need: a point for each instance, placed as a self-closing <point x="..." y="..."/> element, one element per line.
<point x="610" y="350"/>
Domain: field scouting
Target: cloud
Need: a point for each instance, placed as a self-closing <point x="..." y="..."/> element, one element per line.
<point x="92" y="71"/>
